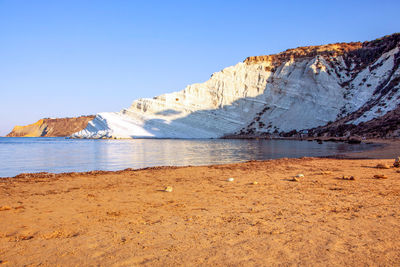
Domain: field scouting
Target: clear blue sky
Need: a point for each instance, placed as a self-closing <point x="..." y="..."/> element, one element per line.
<point x="67" y="58"/>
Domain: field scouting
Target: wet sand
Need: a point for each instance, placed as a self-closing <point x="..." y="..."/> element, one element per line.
<point x="387" y="148"/>
<point x="125" y="218"/>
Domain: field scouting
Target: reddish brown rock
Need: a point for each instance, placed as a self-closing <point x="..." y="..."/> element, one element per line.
<point x="335" y="50"/>
<point x="52" y="127"/>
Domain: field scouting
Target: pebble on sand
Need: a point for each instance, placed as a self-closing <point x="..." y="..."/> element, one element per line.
<point x="300" y="175"/>
<point x="255" y="182"/>
<point x="168" y="189"/>
<point x="230" y="179"/>
<point x="4" y="208"/>
<point x="382" y="166"/>
<point x="350" y="178"/>
<point x="380" y="176"/>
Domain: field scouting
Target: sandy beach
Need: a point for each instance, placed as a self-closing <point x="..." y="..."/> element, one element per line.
<point x="126" y="218"/>
<point x="199" y="133"/>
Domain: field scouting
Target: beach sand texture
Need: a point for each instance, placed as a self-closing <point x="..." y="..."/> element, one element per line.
<point x="126" y="218"/>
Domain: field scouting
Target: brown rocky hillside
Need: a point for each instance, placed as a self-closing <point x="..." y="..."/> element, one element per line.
<point x="51" y="127"/>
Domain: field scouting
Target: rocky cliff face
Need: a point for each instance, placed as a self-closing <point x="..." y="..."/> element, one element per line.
<point x="52" y="127"/>
<point x="386" y="126"/>
<point x="298" y="89"/>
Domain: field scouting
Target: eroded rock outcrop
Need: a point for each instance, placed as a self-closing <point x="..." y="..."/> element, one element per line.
<point x="298" y="89"/>
<point x="51" y="127"/>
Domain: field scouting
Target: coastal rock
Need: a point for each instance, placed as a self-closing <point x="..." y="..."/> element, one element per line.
<point x="340" y="87"/>
<point x="396" y="163"/>
<point x="51" y="127"/>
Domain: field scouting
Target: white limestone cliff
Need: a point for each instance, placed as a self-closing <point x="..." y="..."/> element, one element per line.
<point x="293" y="90"/>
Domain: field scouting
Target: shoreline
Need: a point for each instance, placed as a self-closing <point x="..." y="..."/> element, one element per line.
<point x="384" y="149"/>
<point x="265" y="216"/>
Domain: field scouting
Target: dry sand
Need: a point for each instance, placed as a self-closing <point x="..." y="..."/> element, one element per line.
<point x="125" y="218"/>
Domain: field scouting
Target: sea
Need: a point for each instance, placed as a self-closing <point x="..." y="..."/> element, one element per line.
<point x="28" y="155"/>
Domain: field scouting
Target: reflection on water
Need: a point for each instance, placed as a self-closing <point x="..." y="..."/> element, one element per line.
<point x="19" y="155"/>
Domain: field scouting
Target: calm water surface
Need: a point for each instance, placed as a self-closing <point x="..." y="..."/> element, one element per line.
<point x="18" y="155"/>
